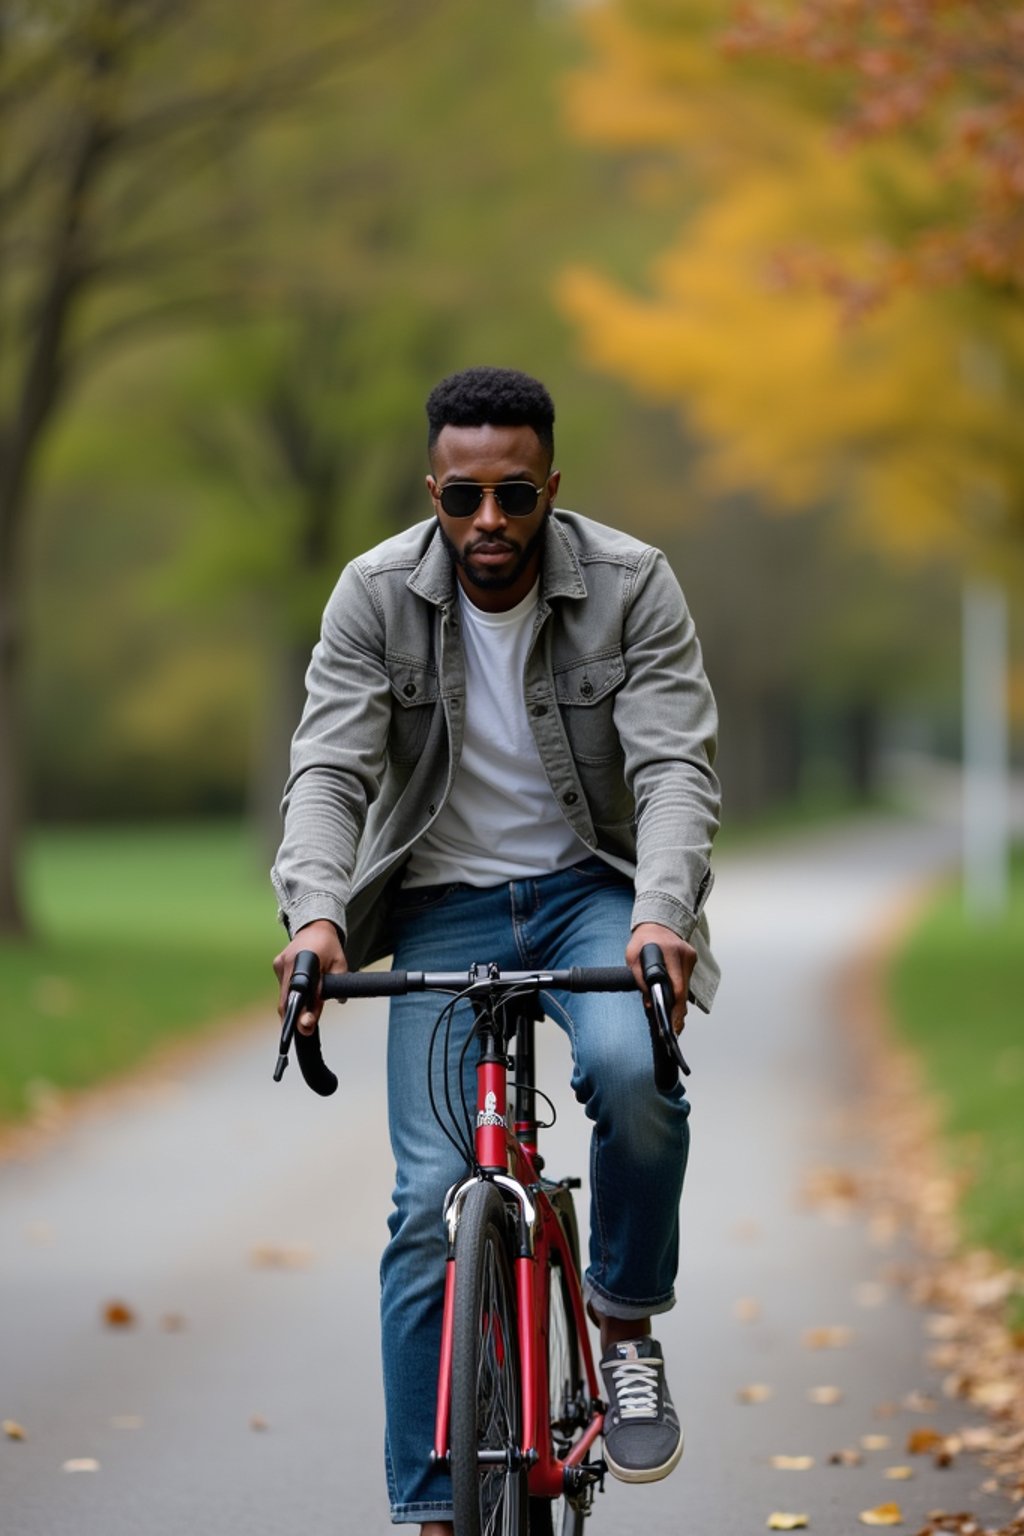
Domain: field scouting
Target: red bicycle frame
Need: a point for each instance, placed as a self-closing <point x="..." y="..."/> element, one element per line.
<point x="508" y="1156"/>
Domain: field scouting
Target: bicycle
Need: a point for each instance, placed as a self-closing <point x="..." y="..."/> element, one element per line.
<point x="519" y="1410"/>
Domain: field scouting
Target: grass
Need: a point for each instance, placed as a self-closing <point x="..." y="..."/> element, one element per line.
<point x="141" y="934"/>
<point x="957" y="989"/>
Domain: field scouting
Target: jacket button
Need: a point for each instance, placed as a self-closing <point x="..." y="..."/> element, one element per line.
<point x="431" y="810"/>
<point x="409" y="690"/>
<point x="570" y="798"/>
<point x="586" y="690"/>
<point x="540" y="709"/>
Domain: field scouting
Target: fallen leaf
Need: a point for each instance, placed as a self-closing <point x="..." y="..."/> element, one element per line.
<point x="832" y="1187"/>
<point x="994" y="1393"/>
<point x="827" y="1338"/>
<point x="281" y="1256"/>
<point x="919" y="1402"/>
<point x="921" y="1441"/>
<point x="899" y="1474"/>
<point x="757" y="1392"/>
<point x="870" y="1294"/>
<point x="824" y="1396"/>
<point x="875" y="1442"/>
<point x="13" y="1430"/>
<point x="847" y="1457"/>
<point x="792" y="1463"/>
<point x="882" y="1514"/>
<point x="81" y="1464"/>
<point x="746" y="1310"/>
<point x="172" y="1322"/>
<point x="747" y="1232"/>
<point x="784" y="1522"/>
<point x="118" y="1314"/>
<point x="258" y="1422"/>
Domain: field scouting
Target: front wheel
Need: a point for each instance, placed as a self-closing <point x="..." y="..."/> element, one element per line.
<point x="488" y="1488"/>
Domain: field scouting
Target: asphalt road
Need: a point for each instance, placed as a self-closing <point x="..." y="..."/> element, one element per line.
<point x="241" y="1223"/>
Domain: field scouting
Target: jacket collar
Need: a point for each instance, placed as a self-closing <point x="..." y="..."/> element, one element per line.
<point x="561" y="576"/>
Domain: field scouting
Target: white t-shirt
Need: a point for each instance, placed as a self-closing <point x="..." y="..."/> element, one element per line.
<point x="501" y="822"/>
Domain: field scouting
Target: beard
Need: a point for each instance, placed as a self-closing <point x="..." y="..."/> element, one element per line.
<point x="494" y="581"/>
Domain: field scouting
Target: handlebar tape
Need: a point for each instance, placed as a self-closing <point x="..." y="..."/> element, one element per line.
<point x="312" y="1065"/>
<point x="601" y="978"/>
<point x="365" y="984"/>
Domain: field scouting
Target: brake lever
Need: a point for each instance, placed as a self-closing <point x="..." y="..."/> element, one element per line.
<point x="669" y="1038"/>
<point x="669" y="1060"/>
<point x="302" y="987"/>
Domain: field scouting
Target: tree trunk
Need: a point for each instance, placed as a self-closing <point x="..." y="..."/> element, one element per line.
<point x="13" y="923"/>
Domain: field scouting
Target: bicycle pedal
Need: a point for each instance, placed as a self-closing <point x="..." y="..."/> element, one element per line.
<point x="570" y="1183"/>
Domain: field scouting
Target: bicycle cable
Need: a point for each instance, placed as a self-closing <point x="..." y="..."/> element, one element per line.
<point x="459" y="1140"/>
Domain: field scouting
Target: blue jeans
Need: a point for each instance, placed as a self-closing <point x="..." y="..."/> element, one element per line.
<point x="579" y="916"/>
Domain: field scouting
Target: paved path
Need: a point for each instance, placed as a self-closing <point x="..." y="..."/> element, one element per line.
<point x="178" y="1197"/>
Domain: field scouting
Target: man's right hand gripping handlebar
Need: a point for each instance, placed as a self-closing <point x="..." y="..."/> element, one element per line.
<point x="314" y="951"/>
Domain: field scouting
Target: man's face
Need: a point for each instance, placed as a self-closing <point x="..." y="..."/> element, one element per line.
<point x="496" y="556"/>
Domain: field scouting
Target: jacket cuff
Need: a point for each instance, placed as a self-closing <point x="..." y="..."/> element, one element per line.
<point x="660" y="907"/>
<point x="313" y="907"/>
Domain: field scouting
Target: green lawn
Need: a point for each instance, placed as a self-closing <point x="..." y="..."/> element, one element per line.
<point x="957" y="990"/>
<point x="141" y="933"/>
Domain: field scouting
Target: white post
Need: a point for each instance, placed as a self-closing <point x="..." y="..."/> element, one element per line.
<point x="986" y="830"/>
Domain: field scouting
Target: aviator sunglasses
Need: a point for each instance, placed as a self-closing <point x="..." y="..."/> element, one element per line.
<point x="516" y="498"/>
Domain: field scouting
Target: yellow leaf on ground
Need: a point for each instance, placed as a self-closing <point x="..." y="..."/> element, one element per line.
<point x="746" y="1310"/>
<point x="882" y="1514"/>
<point x="13" y="1430"/>
<point x="258" y="1422"/>
<point x="827" y="1338"/>
<point x="899" y="1474"/>
<point x="845" y="1458"/>
<point x="756" y="1392"/>
<point x="784" y="1522"/>
<point x="792" y="1463"/>
<point x="824" y="1396"/>
<point x="875" y="1442"/>
<point x="81" y="1464"/>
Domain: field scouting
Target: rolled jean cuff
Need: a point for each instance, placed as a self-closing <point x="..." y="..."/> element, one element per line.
<point x="611" y="1306"/>
<point x="419" y="1514"/>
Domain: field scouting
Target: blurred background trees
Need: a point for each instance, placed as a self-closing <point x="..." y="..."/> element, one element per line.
<point x="239" y="246"/>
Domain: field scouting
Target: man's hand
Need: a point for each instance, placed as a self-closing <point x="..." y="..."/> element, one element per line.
<point x="680" y="959"/>
<point x="322" y="938"/>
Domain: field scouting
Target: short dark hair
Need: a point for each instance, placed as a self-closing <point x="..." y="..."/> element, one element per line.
<point x="495" y="397"/>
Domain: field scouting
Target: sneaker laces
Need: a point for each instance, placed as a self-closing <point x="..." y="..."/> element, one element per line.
<point x="636" y="1388"/>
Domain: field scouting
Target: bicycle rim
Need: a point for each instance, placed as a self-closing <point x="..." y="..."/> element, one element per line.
<point x="567" y="1407"/>
<point x="489" y="1500"/>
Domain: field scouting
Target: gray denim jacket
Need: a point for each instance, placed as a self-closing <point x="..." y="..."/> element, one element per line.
<point x="622" y="713"/>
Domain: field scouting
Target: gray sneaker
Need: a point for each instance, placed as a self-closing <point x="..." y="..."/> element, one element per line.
<point x="642" y="1437"/>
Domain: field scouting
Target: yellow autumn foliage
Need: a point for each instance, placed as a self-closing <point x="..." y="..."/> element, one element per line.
<point x="905" y="415"/>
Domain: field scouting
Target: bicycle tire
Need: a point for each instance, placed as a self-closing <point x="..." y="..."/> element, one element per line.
<point x="486" y="1385"/>
<point x="568" y="1398"/>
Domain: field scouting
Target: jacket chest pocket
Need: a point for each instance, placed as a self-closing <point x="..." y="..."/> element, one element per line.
<point x="585" y="693"/>
<point x="414" y="696"/>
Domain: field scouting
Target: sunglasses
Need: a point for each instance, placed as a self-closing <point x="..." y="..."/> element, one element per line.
<point x="516" y="498"/>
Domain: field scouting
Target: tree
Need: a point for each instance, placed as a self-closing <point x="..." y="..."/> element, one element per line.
<point x="905" y="417"/>
<point x="120" y="120"/>
<point x="949" y="73"/>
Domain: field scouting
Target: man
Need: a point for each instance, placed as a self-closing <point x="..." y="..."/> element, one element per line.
<point x="506" y="754"/>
